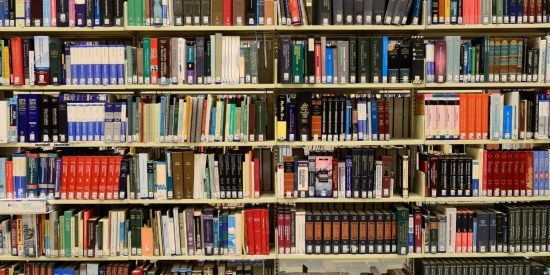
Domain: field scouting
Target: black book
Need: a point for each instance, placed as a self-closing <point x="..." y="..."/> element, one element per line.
<point x="493" y="231"/>
<point x="331" y="112"/>
<point x="354" y="218"/>
<point x="336" y="238"/>
<point x="364" y="166"/>
<point x="370" y="169"/>
<point x="467" y="177"/>
<point x="27" y="44"/>
<point x="188" y="12"/>
<point x="358" y="12"/>
<point x="435" y="11"/>
<point x="54" y="119"/>
<point x="378" y="10"/>
<point x="56" y="70"/>
<point x="459" y="175"/>
<point x="63" y="125"/>
<point x="118" y="13"/>
<point x="267" y="165"/>
<point x="344" y="227"/>
<point x="393" y="63"/>
<point x="303" y="102"/>
<point x="205" y="12"/>
<point x="250" y="12"/>
<point x="62" y="9"/>
<point x="310" y="76"/>
<point x="342" y="117"/>
<point x="310" y="225"/>
<point x="356" y="171"/>
<point x="404" y="60"/>
<point x="368" y="6"/>
<point x="348" y="12"/>
<point x="324" y="119"/>
<point x="390" y="11"/>
<point x="222" y="175"/>
<point x="36" y="14"/>
<point x="418" y="55"/>
<point x="284" y="59"/>
<point x="326" y="12"/>
<point x="196" y="11"/>
<point x="12" y="12"/>
<point x="90" y="10"/>
<point x="107" y="12"/>
<point x="376" y="60"/>
<point x="379" y="236"/>
<point x="45" y="118"/>
<point x="178" y="12"/>
<point x="200" y="61"/>
<point x="229" y="187"/>
<point x="239" y="164"/>
<point x="352" y="60"/>
<point x="363" y="60"/>
<point x="317" y="232"/>
<point x="327" y="236"/>
<point x="338" y="16"/>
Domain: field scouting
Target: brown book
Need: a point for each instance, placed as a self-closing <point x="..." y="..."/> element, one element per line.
<point x="288" y="176"/>
<point x="238" y="13"/>
<point x="140" y="65"/>
<point x="148" y="13"/>
<point x="147" y="241"/>
<point x="164" y="64"/>
<point x="267" y="170"/>
<point x="269" y="12"/>
<point x="316" y="118"/>
<point x="265" y="58"/>
<point x="177" y="174"/>
<point x="217" y="13"/>
<point x="188" y="174"/>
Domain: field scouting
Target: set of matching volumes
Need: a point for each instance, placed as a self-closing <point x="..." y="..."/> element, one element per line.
<point x="61" y="13"/>
<point x="255" y="267"/>
<point x="173" y="175"/>
<point x="449" y="175"/>
<point x="351" y="12"/>
<point x="217" y="59"/>
<point x="137" y="232"/>
<point x="474" y="266"/>
<point x="488" y="59"/>
<point x="511" y="173"/>
<point x="472" y="12"/>
<point x="512" y="228"/>
<point x="496" y="115"/>
<point x="354" y="117"/>
<point x="355" y="173"/>
<point x="205" y="118"/>
<point x="353" y="60"/>
<point x="201" y="12"/>
<point x="346" y="231"/>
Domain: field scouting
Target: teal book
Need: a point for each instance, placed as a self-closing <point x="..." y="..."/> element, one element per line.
<point x="232" y="120"/>
<point x="169" y="178"/>
<point x="147" y="60"/>
<point x="67" y="244"/>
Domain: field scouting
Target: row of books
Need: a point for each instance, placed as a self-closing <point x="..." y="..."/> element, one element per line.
<point x="466" y="12"/>
<point x="474" y="266"/>
<point x="201" y="12"/>
<point x="217" y="59"/>
<point x="88" y="233"/>
<point x="82" y="117"/>
<point x="354" y="117"/>
<point x="353" y="12"/>
<point x="449" y="175"/>
<point x="351" y="60"/>
<point x="404" y="229"/>
<point x="487" y="59"/>
<point x="496" y="115"/>
<point x="62" y="13"/>
<point x="172" y="175"/>
<point x="355" y="173"/>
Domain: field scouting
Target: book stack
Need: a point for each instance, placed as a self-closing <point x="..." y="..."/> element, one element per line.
<point x="350" y="12"/>
<point x="512" y="228"/>
<point x="487" y="59"/>
<point x="201" y="13"/>
<point x="496" y="265"/>
<point x="355" y="173"/>
<point x="464" y="12"/>
<point x="173" y="175"/>
<point x="62" y="13"/>
<point x="354" y="117"/>
<point x="341" y="231"/>
<point x="353" y="60"/>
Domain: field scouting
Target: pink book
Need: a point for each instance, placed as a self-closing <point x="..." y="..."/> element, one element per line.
<point x="440" y="56"/>
<point x="53" y="13"/>
<point x="72" y="13"/>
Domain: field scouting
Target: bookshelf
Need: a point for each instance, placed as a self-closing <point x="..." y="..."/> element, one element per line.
<point x="275" y="89"/>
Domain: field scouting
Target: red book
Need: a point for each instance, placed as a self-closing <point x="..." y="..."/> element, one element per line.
<point x="280" y="231"/>
<point x="510" y="173"/>
<point x="318" y="63"/>
<point x="504" y="176"/>
<point x="87" y="178"/>
<point x="88" y="213"/>
<point x="9" y="179"/>
<point x="148" y="13"/>
<point x="79" y="187"/>
<point x="417" y="230"/>
<point x="265" y="230"/>
<point x="522" y="173"/>
<point x="111" y="162"/>
<point x="485" y="117"/>
<point x="257" y="221"/>
<point x="64" y="177"/>
<point x="381" y="120"/>
<point x="440" y="59"/>
<point x="387" y="125"/>
<point x="335" y="178"/>
<point x="489" y="180"/>
<point x="497" y="162"/>
<point x="53" y="13"/>
<point x="154" y="61"/>
<point x="228" y="12"/>
<point x="102" y="189"/>
<point x="538" y="11"/>
<point x="250" y="245"/>
<point x="294" y="11"/>
<point x="516" y="171"/>
<point x="17" y="77"/>
<point x="386" y="176"/>
<point x="478" y="99"/>
<point x="257" y="178"/>
<point x="72" y="178"/>
<point x="529" y="173"/>
<point x="463" y="119"/>
<point x="116" y="182"/>
<point x="96" y="167"/>
<point x="483" y="186"/>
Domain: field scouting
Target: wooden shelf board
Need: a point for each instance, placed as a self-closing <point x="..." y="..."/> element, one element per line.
<point x="471" y="142"/>
<point x="411" y="198"/>
<point x="475" y="27"/>
<point x="340" y="28"/>
<point x="141" y="144"/>
<point x="360" y="86"/>
<point x="487" y="85"/>
<point x="64" y="259"/>
<point x="199" y="28"/>
<point x="352" y="143"/>
<point x="484" y="199"/>
<point x="271" y="256"/>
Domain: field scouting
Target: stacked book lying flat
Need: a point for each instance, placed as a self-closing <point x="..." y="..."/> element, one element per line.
<point x="355" y="173"/>
<point x="174" y="174"/>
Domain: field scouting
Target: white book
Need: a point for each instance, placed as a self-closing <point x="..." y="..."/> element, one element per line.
<point x="106" y="222"/>
<point x="512" y="98"/>
<point x="542" y="59"/>
<point x="175" y="228"/>
<point x="4" y="121"/>
<point x="246" y="176"/>
<point x="450" y="213"/>
<point x="171" y="236"/>
<point x="198" y="190"/>
<point x="165" y="235"/>
<point x="143" y="179"/>
<point x="341" y="179"/>
<point x="182" y="233"/>
<point x="279" y="179"/>
<point x="160" y="190"/>
<point x="239" y="227"/>
<point x="377" y="180"/>
<point x="205" y="134"/>
<point x="113" y="221"/>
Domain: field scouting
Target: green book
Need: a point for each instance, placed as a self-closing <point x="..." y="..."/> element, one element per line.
<point x="61" y="244"/>
<point x="297" y="63"/>
<point x="244" y="120"/>
<point x="55" y="62"/>
<point x="207" y="183"/>
<point x="402" y="217"/>
<point x="129" y="65"/>
<point x="147" y="60"/>
<point x="131" y="10"/>
<point x="261" y="119"/>
<point x="169" y="178"/>
<point x="140" y="13"/>
<point x="67" y="244"/>
<point x="232" y="120"/>
<point x="254" y="62"/>
<point x="151" y="178"/>
<point x="208" y="69"/>
<point x="245" y="54"/>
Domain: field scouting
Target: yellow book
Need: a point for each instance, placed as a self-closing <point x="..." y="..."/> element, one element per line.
<point x="6" y="72"/>
<point x="447" y="11"/>
<point x="187" y="118"/>
<point x="281" y="117"/>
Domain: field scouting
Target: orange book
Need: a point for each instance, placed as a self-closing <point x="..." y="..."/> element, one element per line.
<point x="111" y="176"/>
<point x="269" y="13"/>
<point x="88" y="213"/>
<point x="18" y="77"/>
<point x="485" y="117"/>
<point x="471" y="120"/>
<point x="316" y="119"/>
<point x="116" y="177"/>
<point x="463" y="116"/>
<point x="154" y="61"/>
<point x="9" y="179"/>
<point x="478" y="114"/>
<point x="442" y="10"/>
<point x="147" y="241"/>
<point x="288" y="176"/>
<point x="203" y="122"/>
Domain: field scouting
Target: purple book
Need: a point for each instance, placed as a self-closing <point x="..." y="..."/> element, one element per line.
<point x="440" y="59"/>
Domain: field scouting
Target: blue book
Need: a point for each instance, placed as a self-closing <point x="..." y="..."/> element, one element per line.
<point x="97" y="12"/>
<point x="120" y="65"/>
<point x="164" y="14"/>
<point x="454" y="12"/>
<point x="12" y="134"/>
<point x="545" y="172"/>
<point x="57" y="191"/>
<point x="33" y="118"/>
<point x="22" y="117"/>
<point x="507" y="112"/>
<point x="27" y="13"/>
<point x="231" y="233"/>
<point x="347" y="120"/>
<point x="97" y="73"/>
<point x="291" y="122"/>
<point x="213" y="122"/>
<point x="536" y="173"/>
<point x="329" y="57"/>
<point x="80" y="13"/>
<point x="361" y="131"/>
<point x="122" y="121"/>
<point x="43" y="179"/>
<point x="374" y="120"/>
<point x="430" y="65"/>
<point x="216" y="233"/>
<point x="157" y="13"/>
<point x="385" y="59"/>
<point x="100" y="124"/>
<point x="349" y="166"/>
<point x="111" y="62"/>
<point x="231" y="120"/>
<point x="411" y="234"/>
<point x="2" y="178"/>
<point x="162" y="119"/>
<point x="45" y="13"/>
<point x="105" y="68"/>
<point x="169" y="179"/>
<point x="474" y="241"/>
<point x="3" y="11"/>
